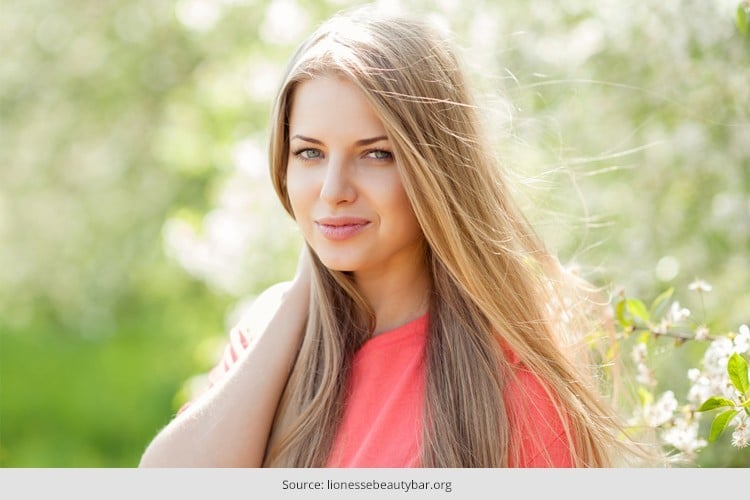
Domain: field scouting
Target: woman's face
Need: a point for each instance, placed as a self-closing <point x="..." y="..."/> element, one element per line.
<point x="343" y="183"/>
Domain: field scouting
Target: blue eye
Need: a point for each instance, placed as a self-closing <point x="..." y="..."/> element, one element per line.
<point x="307" y="154"/>
<point x="380" y="154"/>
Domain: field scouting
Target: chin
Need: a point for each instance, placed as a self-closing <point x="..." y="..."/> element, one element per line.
<point x="337" y="263"/>
<point x="337" y="266"/>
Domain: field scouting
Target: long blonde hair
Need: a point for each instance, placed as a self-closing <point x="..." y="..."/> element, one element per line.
<point x="495" y="288"/>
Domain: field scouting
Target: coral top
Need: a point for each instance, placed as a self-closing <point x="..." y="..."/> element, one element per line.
<point x="382" y="420"/>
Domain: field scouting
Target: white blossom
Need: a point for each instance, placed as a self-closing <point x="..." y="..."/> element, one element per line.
<point x="718" y="353"/>
<point x="712" y="379"/>
<point x="742" y="340"/>
<point x="677" y="314"/>
<point x="662" y="411"/>
<point x="701" y="389"/>
<point x="701" y="333"/>
<point x="639" y="352"/>
<point x="683" y="435"/>
<point x="700" y="285"/>
<point x="741" y="435"/>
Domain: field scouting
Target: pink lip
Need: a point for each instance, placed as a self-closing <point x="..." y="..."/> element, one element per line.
<point x="341" y="228"/>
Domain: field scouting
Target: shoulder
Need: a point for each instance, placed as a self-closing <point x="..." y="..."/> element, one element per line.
<point x="266" y="302"/>
<point x="260" y="310"/>
<point x="537" y="423"/>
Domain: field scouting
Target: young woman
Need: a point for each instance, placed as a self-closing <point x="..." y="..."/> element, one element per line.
<point x="426" y="324"/>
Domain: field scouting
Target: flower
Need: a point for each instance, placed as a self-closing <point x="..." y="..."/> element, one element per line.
<point x="662" y="411"/>
<point x="677" y="313"/>
<point x="701" y="333"/>
<point x="700" y="285"/>
<point x="684" y="435"/>
<point x="742" y="340"/>
<point x="645" y="374"/>
<point x="639" y="352"/>
<point x="712" y="379"/>
<point x="741" y="435"/>
<point x="702" y="388"/>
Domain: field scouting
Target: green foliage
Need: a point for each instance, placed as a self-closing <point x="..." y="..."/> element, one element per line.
<point x="743" y="18"/>
<point x="720" y="423"/>
<point x="678" y="425"/>
<point x="737" y="369"/>
<point x="738" y="374"/>
<point x="715" y="402"/>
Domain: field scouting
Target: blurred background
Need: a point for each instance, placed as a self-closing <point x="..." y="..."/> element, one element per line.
<point x="137" y="218"/>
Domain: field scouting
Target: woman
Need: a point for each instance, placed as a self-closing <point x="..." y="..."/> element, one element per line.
<point x="425" y="324"/>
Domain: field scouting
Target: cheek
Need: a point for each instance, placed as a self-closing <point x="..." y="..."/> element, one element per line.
<point x="412" y="229"/>
<point x="401" y="213"/>
<point x="298" y="191"/>
<point x="399" y="198"/>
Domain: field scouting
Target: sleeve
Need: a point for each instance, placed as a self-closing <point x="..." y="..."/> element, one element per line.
<point x="537" y="429"/>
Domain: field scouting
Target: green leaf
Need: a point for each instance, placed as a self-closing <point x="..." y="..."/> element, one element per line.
<point x="620" y="315"/>
<point x="660" y="303"/>
<point x="637" y="309"/>
<point x="742" y="20"/>
<point x="737" y="369"/>
<point x="720" y="423"/>
<point x="715" y="402"/>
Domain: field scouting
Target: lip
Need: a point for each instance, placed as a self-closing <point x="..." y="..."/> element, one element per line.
<point x="341" y="228"/>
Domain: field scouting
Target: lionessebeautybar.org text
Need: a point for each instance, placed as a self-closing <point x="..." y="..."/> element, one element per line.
<point x="401" y="485"/>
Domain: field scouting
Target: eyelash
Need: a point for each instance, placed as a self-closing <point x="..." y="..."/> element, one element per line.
<point x="299" y="154"/>
<point x="388" y="153"/>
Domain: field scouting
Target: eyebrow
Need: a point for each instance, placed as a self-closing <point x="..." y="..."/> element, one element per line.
<point x="361" y="142"/>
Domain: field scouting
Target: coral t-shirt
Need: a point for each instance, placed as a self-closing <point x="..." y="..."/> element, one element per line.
<point x="382" y="419"/>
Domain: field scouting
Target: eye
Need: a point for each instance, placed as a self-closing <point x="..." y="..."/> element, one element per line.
<point x="307" y="154"/>
<point x="380" y="154"/>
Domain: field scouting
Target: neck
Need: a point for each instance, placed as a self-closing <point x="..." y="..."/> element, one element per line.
<point x="396" y="296"/>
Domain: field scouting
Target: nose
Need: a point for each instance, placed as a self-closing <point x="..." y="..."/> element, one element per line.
<point x="337" y="185"/>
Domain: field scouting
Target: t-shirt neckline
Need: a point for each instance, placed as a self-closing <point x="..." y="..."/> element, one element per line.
<point x="414" y="327"/>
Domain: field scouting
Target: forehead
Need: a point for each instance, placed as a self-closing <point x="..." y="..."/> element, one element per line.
<point x="332" y="105"/>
